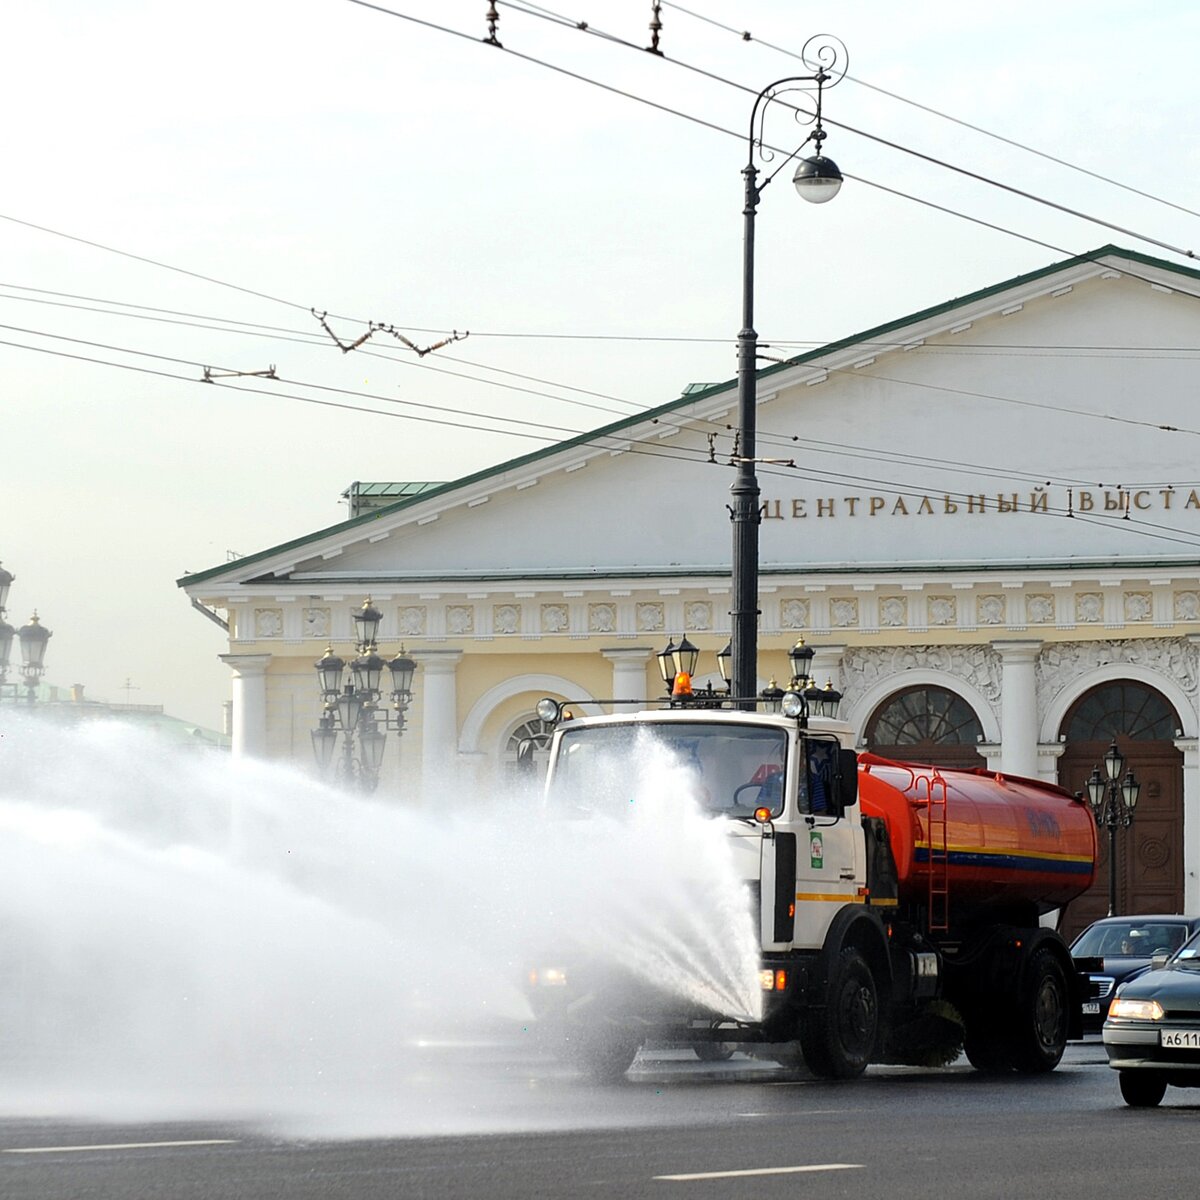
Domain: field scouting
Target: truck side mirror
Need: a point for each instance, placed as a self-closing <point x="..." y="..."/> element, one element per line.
<point x="847" y="779"/>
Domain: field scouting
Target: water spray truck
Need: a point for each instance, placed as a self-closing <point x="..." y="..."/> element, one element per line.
<point x="901" y="910"/>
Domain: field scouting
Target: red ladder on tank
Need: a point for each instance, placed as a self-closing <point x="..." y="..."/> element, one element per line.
<point x="939" y="850"/>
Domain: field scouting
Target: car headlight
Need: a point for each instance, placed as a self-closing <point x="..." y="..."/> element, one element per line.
<point x="548" y="977"/>
<point x="1136" y="1010"/>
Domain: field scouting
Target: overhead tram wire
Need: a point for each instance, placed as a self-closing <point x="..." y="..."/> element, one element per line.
<point x="542" y="427"/>
<point x="559" y="19"/>
<point x="549" y="66"/>
<point x="571" y="74"/>
<point x="586" y="27"/>
<point x="790" y="442"/>
<point x="768" y="438"/>
<point x="624" y="445"/>
<point x="467" y="37"/>
<point x="613" y="443"/>
<point x="777" y="439"/>
<point x="320" y="341"/>
<point x="745" y="36"/>
<point x="228" y="324"/>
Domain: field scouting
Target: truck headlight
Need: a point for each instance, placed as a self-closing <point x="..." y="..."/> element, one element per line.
<point x="548" y="977"/>
<point x="1136" y="1010"/>
<point x="773" y="980"/>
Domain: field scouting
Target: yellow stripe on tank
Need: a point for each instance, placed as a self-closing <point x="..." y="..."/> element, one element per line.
<point x="831" y="897"/>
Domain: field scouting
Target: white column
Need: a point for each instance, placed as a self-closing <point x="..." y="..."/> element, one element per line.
<point x="1191" y="797"/>
<point x="1018" y="706"/>
<point x="437" y="687"/>
<point x="1191" y="823"/>
<point x="628" y="675"/>
<point x="249" y="703"/>
<point x="1048" y="755"/>
<point x="827" y="666"/>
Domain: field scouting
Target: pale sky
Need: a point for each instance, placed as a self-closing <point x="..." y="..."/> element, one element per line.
<point x="333" y="157"/>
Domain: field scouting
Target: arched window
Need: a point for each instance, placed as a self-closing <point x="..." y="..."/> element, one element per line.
<point x="527" y="747"/>
<point x="926" y="724"/>
<point x="1125" y="709"/>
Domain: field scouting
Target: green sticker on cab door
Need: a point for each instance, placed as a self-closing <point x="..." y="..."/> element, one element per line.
<point x="816" y="850"/>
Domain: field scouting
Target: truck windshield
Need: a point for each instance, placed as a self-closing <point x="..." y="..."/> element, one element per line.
<point x="727" y="769"/>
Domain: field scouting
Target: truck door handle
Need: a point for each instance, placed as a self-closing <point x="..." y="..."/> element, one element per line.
<point x="846" y="873"/>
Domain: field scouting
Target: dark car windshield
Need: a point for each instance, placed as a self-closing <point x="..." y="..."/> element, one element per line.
<point x="1189" y="956"/>
<point x="1129" y="939"/>
<point x="726" y="768"/>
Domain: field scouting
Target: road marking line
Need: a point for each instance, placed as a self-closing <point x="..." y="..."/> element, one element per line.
<point x="764" y="1171"/>
<point x="120" y="1146"/>
<point x="810" y="1112"/>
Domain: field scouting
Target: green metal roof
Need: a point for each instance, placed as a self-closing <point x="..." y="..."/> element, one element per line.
<point x="690" y="397"/>
<point x="398" y="490"/>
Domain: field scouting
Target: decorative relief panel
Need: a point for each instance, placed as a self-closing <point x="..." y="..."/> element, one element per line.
<point x="650" y="618"/>
<point x="893" y="611"/>
<point x="316" y="622"/>
<point x="1060" y="663"/>
<point x="460" y="619"/>
<point x="1138" y="606"/>
<point x="863" y="667"/>
<point x="268" y="622"/>
<point x="555" y="618"/>
<point x="1039" y="610"/>
<point x="793" y="614"/>
<point x="602" y="618"/>
<point x="1089" y="608"/>
<point x="843" y="613"/>
<point x="1187" y="606"/>
<point x="411" y="620"/>
<point x="697" y="614"/>
<point x="506" y="618"/>
<point x="943" y="610"/>
<point x="993" y="610"/>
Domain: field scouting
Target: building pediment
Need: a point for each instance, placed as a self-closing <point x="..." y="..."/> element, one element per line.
<point x="1037" y="422"/>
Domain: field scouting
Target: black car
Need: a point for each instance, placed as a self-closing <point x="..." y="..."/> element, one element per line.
<point x="1127" y="944"/>
<point x="1152" y="1035"/>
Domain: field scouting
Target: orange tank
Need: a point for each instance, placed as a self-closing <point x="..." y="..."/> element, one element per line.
<point x="1006" y="839"/>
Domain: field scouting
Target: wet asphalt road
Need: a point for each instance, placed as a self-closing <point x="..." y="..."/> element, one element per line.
<point x="673" y="1128"/>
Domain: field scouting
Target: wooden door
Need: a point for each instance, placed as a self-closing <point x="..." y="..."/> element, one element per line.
<point x="1149" y="853"/>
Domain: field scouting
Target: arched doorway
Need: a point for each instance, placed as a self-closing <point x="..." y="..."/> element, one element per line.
<point x="926" y="724"/>
<point x="1149" y="860"/>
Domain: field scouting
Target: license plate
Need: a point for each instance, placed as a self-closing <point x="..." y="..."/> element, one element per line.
<point x="1091" y="1007"/>
<point x="1188" y="1039"/>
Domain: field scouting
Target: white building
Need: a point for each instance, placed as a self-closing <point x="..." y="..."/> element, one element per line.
<point x="991" y="535"/>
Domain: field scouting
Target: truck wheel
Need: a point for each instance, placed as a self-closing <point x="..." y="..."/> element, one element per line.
<point x="838" y="1041"/>
<point x="714" y="1051"/>
<point x="603" y="1059"/>
<point x="1040" y="1028"/>
<point x="1142" y="1089"/>
<point x="986" y="1053"/>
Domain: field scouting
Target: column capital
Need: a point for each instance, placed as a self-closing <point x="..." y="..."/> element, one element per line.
<point x="1017" y="650"/>
<point x="246" y="664"/>
<point x="438" y="662"/>
<point x="627" y="653"/>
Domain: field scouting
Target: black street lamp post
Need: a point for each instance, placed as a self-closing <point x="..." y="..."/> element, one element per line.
<point x="32" y="639"/>
<point x="1113" y="802"/>
<point x="817" y="179"/>
<point x="352" y="711"/>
